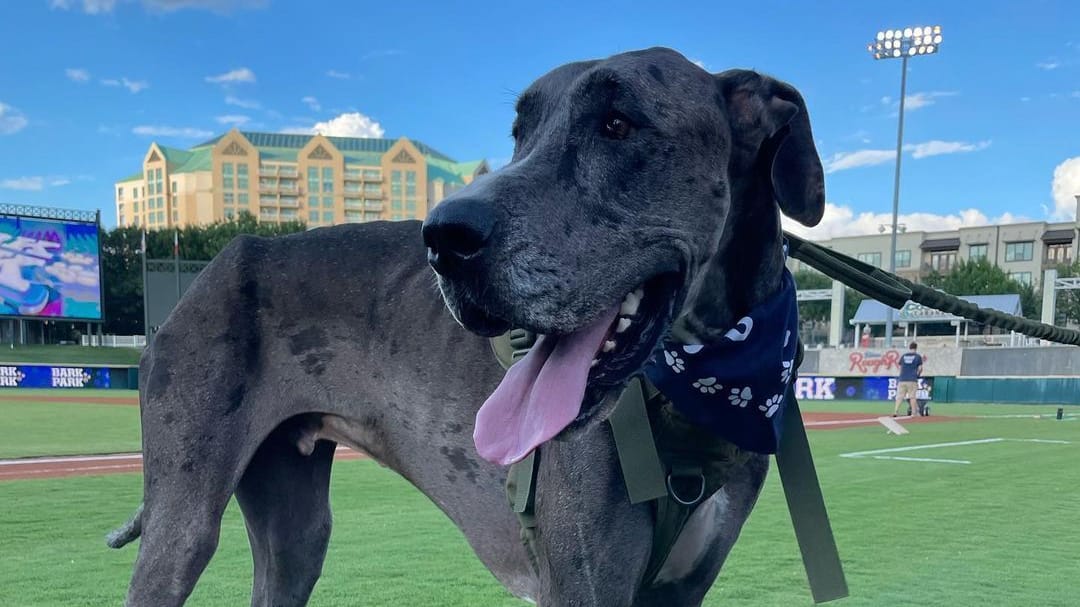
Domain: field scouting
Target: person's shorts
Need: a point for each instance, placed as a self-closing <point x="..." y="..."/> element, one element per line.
<point x="907" y="389"/>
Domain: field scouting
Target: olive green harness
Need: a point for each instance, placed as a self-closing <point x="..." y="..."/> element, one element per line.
<point x="673" y="465"/>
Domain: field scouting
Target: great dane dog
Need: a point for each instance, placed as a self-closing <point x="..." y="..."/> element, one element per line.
<point x="639" y="174"/>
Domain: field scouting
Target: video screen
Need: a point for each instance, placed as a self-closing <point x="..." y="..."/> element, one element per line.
<point x="49" y="269"/>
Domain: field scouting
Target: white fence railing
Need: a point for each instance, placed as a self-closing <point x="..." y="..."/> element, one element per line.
<point x="115" y="341"/>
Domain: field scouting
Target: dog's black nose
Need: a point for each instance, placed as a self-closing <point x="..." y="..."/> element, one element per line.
<point x="456" y="233"/>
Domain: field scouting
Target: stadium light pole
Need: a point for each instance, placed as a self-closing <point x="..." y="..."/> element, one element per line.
<point x="901" y="44"/>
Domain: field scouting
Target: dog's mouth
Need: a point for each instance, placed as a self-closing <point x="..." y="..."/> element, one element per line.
<point x="564" y="377"/>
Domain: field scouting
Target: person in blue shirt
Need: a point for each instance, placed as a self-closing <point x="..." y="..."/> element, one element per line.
<point x="907" y="385"/>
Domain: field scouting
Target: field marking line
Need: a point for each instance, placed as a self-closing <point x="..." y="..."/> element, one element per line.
<point x="31" y="474"/>
<point x="1028" y="416"/>
<point x="843" y="422"/>
<point x="981" y="441"/>
<point x="1048" y="441"/>
<point x="133" y="457"/>
<point x="922" y="459"/>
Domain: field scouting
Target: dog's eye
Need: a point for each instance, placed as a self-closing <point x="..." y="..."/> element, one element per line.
<point x="617" y="126"/>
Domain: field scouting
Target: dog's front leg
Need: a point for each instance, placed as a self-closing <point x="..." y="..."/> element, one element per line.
<point x="592" y="544"/>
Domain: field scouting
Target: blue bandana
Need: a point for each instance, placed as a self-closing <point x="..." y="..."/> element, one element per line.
<point x="736" y="388"/>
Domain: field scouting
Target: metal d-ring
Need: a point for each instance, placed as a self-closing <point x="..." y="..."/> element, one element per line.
<point x="675" y="496"/>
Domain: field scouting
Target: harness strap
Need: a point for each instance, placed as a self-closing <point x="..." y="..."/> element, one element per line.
<point x="642" y="471"/>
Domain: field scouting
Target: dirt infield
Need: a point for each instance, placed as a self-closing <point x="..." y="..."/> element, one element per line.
<point x="88" y="465"/>
<point x="82" y="400"/>
<point x="834" y="421"/>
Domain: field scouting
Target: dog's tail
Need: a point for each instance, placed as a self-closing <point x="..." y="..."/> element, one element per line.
<point x="127" y="532"/>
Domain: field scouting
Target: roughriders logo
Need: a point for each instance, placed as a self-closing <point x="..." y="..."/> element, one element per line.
<point x="11" y="377"/>
<point x="67" y="377"/>
<point x="874" y="362"/>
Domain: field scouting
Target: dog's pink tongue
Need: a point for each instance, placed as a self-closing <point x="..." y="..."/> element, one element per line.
<point x="540" y="395"/>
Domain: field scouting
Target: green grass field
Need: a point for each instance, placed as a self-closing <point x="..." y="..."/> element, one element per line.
<point x="38" y="428"/>
<point x="69" y="355"/>
<point x="998" y="531"/>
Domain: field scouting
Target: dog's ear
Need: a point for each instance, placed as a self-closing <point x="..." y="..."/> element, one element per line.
<point x="770" y="131"/>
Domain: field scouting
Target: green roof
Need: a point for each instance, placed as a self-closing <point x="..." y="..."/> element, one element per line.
<point x="344" y="144"/>
<point x="451" y="172"/>
<point x="135" y="177"/>
<point x="197" y="160"/>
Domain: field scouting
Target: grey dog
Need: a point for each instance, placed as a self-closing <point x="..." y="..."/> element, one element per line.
<point x="641" y="173"/>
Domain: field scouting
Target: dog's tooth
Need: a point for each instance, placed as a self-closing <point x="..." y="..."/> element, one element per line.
<point x="630" y="304"/>
<point x="623" y="325"/>
<point x="595" y="361"/>
<point x="640" y="292"/>
<point x="609" y="345"/>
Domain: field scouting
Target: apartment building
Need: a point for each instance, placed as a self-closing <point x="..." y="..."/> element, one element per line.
<point x="1023" y="250"/>
<point x="280" y="177"/>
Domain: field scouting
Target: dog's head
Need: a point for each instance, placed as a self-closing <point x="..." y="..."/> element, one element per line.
<point x="638" y="183"/>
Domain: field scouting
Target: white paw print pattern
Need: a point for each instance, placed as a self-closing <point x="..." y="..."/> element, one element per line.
<point x="692" y="348"/>
<point x="740" y="396"/>
<point x="787" y="337"/>
<point x="708" y="385"/>
<point x="772" y="405"/>
<point x="672" y="358"/>
<point x="785" y="370"/>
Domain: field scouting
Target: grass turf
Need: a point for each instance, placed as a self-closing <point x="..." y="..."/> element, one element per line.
<point x="69" y="355"/>
<point x="1000" y="531"/>
<point x="33" y="428"/>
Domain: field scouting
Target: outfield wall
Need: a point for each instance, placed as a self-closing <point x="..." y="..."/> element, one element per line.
<point x="117" y="377"/>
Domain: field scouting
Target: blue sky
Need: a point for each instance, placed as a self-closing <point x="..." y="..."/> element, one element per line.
<point x="86" y="85"/>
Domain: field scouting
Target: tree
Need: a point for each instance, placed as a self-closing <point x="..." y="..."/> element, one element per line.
<point x="809" y="279"/>
<point x="980" y="277"/>
<point x="121" y="261"/>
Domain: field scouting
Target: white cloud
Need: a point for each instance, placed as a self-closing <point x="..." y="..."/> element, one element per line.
<point x="171" y="131"/>
<point x="936" y="147"/>
<point x="842" y="161"/>
<point x="1050" y="64"/>
<point x="132" y="85"/>
<point x="842" y="220"/>
<point x="1025" y="99"/>
<point x="917" y="101"/>
<point x="11" y="120"/>
<point x="33" y="183"/>
<point x="338" y="75"/>
<point x="100" y="7"/>
<point x="77" y="74"/>
<point x="353" y="124"/>
<point x="90" y="7"/>
<point x="240" y="74"/>
<point x="247" y="104"/>
<point x="234" y="119"/>
<point x="312" y="103"/>
<point x="1065" y="186"/>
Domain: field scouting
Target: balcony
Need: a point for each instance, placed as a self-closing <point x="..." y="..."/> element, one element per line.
<point x="292" y="203"/>
<point x="374" y="176"/>
<point x="287" y="172"/>
<point x="1056" y="261"/>
<point x="353" y="203"/>
<point x="373" y="193"/>
<point x="373" y="205"/>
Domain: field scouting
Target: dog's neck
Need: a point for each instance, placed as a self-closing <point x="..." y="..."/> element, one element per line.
<point x="745" y="270"/>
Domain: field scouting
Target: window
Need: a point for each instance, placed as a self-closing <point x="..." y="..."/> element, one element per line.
<point x="119" y="193"/>
<point x="1058" y="253"/>
<point x="134" y="207"/>
<point x="977" y="251"/>
<point x="161" y="216"/>
<point x="1023" y="278"/>
<point x="176" y="217"/>
<point x="242" y="198"/>
<point x="873" y="259"/>
<point x="135" y="192"/>
<point x="312" y="180"/>
<point x="328" y="217"/>
<point x="227" y="175"/>
<point x="157" y="174"/>
<point x="242" y="176"/>
<point x="328" y="202"/>
<point x="903" y="259"/>
<point x="229" y="198"/>
<point x="229" y="214"/>
<point x="1019" y="251"/>
<point x="943" y="261"/>
<point x="327" y="179"/>
<point x="135" y="222"/>
<point x="372" y="174"/>
<point x="395" y="204"/>
<point x="410" y="189"/>
<point x="352" y="173"/>
<point x="410" y="204"/>
<point x="395" y="188"/>
<point x="313" y="202"/>
<point x="174" y="188"/>
<point x="313" y="217"/>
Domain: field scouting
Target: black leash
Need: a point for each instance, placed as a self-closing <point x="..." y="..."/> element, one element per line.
<point x="895" y="291"/>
